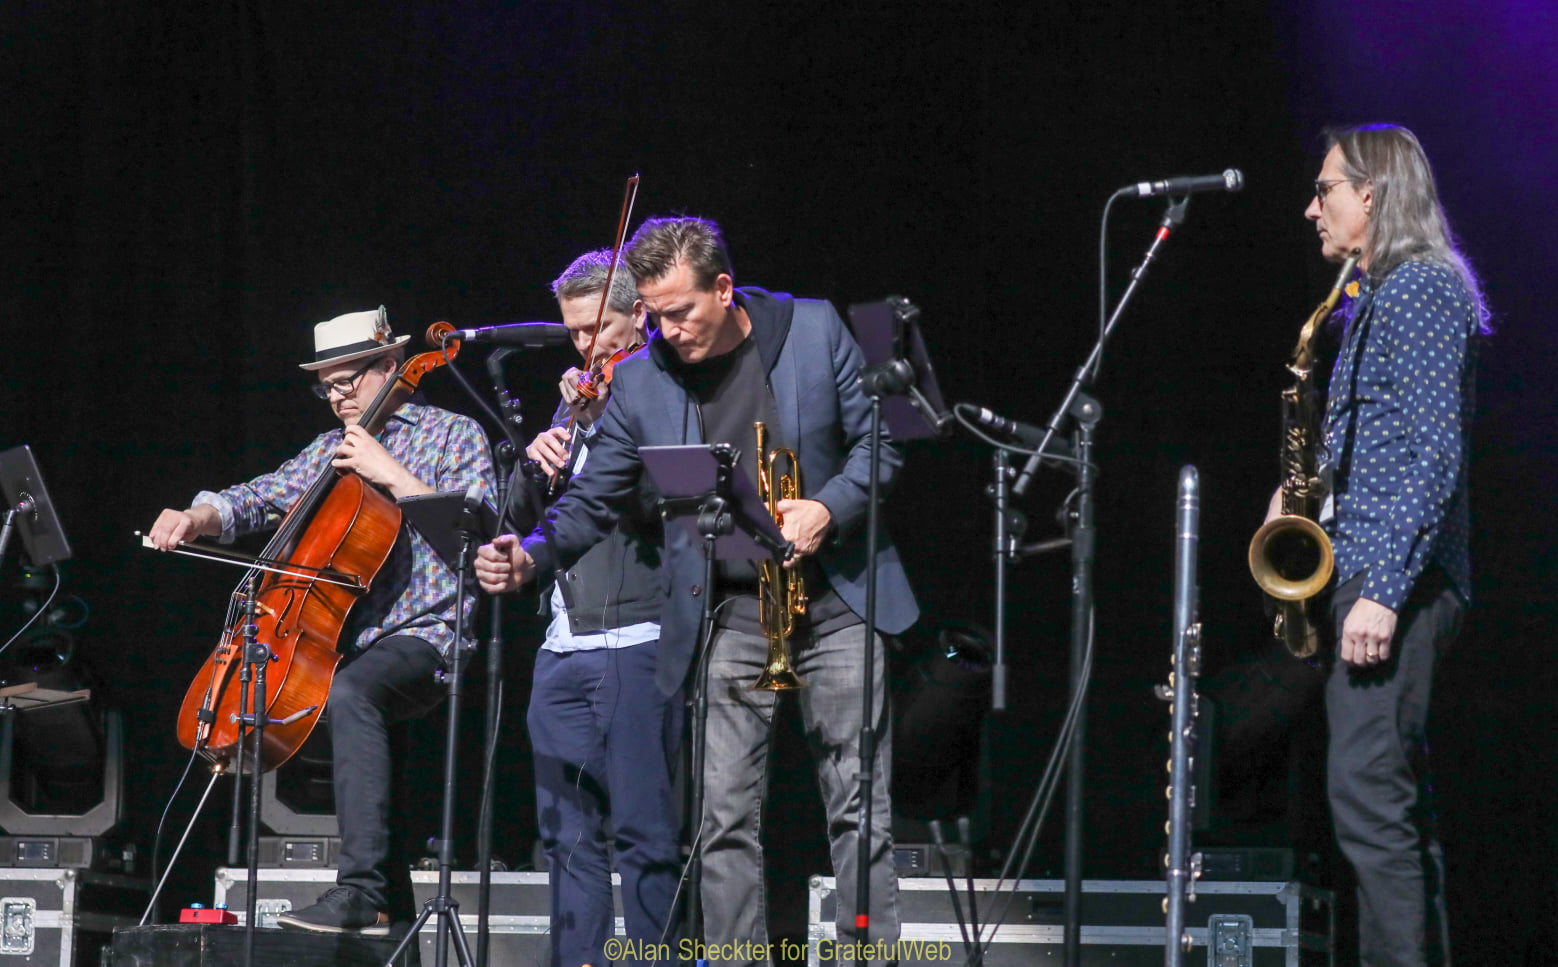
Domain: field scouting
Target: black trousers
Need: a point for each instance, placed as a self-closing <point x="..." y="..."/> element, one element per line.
<point x="373" y="692"/>
<point x="1377" y="767"/>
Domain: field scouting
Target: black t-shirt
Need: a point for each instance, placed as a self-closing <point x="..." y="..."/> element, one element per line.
<point x="732" y="394"/>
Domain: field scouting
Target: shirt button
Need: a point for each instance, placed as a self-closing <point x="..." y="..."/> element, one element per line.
<point x="696" y="590"/>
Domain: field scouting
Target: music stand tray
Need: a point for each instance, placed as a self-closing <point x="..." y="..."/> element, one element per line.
<point x="890" y="330"/>
<point x="28" y="695"/>
<point x="686" y="474"/>
<point x="436" y="517"/>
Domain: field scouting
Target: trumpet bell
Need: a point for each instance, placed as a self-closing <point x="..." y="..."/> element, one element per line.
<point x="1291" y="558"/>
<point x="777" y="676"/>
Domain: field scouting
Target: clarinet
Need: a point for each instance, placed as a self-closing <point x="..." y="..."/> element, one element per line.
<point x="1182" y="868"/>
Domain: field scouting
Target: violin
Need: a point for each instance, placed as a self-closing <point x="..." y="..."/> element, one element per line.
<point x="597" y="379"/>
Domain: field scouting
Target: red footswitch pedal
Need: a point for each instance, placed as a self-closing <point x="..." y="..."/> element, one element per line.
<point x="196" y="913"/>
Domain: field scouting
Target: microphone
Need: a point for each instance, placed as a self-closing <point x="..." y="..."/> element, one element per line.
<point x="530" y="334"/>
<point x="1230" y="180"/>
<point x="1026" y="432"/>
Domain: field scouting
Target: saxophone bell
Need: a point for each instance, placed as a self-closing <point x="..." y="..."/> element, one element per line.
<point x="1290" y="556"/>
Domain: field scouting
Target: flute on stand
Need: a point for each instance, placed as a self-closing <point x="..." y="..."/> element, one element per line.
<point x="1182" y="867"/>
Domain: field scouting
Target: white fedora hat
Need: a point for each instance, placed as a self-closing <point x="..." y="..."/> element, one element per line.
<point x="355" y="335"/>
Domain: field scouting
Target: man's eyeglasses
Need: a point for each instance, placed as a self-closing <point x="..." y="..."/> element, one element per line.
<point x="1323" y="188"/>
<point x="345" y="386"/>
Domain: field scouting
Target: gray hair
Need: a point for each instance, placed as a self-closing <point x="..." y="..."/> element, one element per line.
<point x="587" y="277"/>
<point x="1407" y="222"/>
<point x="660" y="244"/>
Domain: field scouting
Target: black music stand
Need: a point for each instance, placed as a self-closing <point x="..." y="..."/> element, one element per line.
<point x="29" y="511"/>
<point x="449" y="519"/>
<point x="703" y="493"/>
<point x="437" y="517"/>
<point x="902" y="385"/>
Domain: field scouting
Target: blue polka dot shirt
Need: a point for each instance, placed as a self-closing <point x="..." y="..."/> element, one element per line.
<point x="1397" y="416"/>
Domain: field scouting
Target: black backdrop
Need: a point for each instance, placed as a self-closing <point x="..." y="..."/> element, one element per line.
<point x="189" y="187"/>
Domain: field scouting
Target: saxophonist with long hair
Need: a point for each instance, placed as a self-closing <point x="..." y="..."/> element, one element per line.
<point x="1394" y="445"/>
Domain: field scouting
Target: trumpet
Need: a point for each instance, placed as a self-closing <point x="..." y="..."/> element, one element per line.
<point x="781" y="594"/>
<point x="1291" y="556"/>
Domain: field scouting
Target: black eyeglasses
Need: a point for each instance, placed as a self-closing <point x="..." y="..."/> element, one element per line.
<point x="346" y="387"/>
<point x="1323" y="188"/>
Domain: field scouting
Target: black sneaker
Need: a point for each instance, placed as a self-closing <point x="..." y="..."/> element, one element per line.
<point x="342" y="909"/>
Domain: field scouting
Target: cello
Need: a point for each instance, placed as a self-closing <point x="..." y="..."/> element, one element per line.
<point x="321" y="561"/>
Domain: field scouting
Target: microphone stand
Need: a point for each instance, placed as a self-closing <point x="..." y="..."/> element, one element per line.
<point x="1173" y="217"/>
<point x="253" y="708"/>
<point x="1087" y="413"/>
<point x="889" y="378"/>
<point x="894" y="375"/>
<point x="506" y="453"/>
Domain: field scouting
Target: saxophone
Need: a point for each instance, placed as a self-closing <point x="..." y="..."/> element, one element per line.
<point x="1290" y="556"/>
<point x="781" y="593"/>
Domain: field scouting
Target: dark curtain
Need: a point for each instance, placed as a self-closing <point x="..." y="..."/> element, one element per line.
<point x="189" y="187"/>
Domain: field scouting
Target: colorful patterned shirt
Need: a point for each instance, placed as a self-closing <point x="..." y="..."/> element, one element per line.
<point x="414" y="591"/>
<point x="1396" y="425"/>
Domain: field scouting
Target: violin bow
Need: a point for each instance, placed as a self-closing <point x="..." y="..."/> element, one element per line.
<point x="587" y="385"/>
<point x="587" y="381"/>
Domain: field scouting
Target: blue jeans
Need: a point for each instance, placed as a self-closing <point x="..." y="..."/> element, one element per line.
<point x="605" y="741"/>
<point x="740" y="728"/>
<point x="1381" y="798"/>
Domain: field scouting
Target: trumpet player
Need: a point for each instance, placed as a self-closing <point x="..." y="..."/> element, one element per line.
<point x="724" y="359"/>
<point x="1395" y="434"/>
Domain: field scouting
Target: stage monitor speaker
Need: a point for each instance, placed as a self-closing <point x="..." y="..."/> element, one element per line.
<point x="35" y="766"/>
<point x="298" y="799"/>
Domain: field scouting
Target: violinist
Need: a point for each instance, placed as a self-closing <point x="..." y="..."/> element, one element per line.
<point x="399" y="635"/>
<point x="604" y="736"/>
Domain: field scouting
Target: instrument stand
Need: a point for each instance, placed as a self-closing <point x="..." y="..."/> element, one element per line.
<point x="442" y="904"/>
<point x="699" y="483"/>
<point x="896" y="375"/>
